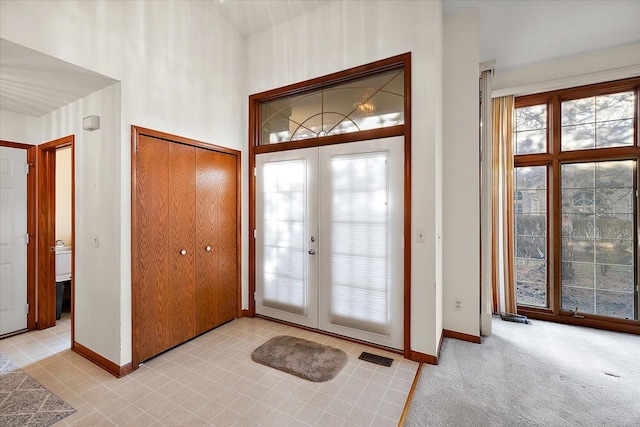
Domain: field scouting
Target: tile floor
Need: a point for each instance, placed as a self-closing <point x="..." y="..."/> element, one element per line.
<point x="211" y="380"/>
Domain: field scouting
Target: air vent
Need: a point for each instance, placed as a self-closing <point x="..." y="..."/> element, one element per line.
<point x="374" y="358"/>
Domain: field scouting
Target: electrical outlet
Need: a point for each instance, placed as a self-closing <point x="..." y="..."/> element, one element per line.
<point x="458" y="305"/>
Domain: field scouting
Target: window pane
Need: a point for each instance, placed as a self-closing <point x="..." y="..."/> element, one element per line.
<point x="578" y="137"/>
<point x="359" y="261"/>
<point x="284" y="224"/>
<point x="530" y="199"/>
<point x="531" y="130"/>
<point x="368" y="103"/>
<point x="614" y="134"/>
<point x="598" y="122"/>
<point x="598" y="225"/>
<point x="616" y="106"/>
<point x="578" y="111"/>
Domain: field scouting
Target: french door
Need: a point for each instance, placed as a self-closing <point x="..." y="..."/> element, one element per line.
<point x="329" y="238"/>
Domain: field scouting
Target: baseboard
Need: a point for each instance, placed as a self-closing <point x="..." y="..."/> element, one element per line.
<point x="416" y="356"/>
<point x="107" y="365"/>
<point x="460" y="336"/>
<point x="246" y="313"/>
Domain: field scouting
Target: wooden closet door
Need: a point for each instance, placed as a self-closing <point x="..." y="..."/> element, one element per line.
<point x="151" y="304"/>
<point x="215" y="180"/>
<point x="227" y="238"/>
<point x="181" y="245"/>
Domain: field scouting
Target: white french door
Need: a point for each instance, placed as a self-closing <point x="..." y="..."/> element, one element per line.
<point x="329" y="238"/>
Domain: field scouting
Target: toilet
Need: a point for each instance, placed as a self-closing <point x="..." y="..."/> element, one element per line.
<point x="63" y="275"/>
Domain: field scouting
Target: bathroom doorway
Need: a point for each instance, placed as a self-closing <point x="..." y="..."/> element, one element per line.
<point x="56" y="232"/>
<point x="63" y="231"/>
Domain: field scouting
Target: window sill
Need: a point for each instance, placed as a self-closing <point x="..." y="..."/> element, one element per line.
<point x="590" y="321"/>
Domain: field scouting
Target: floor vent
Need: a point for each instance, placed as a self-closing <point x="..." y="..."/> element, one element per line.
<point x="374" y="358"/>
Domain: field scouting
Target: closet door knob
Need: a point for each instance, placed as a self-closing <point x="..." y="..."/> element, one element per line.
<point x="208" y="248"/>
<point x="183" y="252"/>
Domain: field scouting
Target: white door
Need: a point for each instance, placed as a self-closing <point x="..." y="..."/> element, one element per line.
<point x="329" y="238"/>
<point x="13" y="244"/>
<point x="362" y="240"/>
<point x="286" y="236"/>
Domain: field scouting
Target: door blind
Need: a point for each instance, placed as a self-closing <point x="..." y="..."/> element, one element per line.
<point x="284" y="227"/>
<point x="359" y="223"/>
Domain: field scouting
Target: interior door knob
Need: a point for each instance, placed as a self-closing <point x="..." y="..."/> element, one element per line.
<point x="208" y="248"/>
<point x="312" y="251"/>
<point x="183" y="252"/>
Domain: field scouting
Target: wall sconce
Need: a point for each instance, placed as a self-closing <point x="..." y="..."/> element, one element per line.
<point x="91" y="123"/>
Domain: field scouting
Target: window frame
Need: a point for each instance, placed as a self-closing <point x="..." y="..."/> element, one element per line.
<point x="553" y="158"/>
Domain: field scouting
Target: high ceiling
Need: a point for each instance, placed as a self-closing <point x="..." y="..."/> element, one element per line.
<point x="515" y="33"/>
<point x="252" y="16"/>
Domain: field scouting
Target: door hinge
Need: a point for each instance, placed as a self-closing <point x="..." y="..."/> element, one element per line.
<point x="254" y="296"/>
<point x="26" y="238"/>
<point x="255" y="233"/>
<point x="27" y="309"/>
<point x="26" y="168"/>
<point x="255" y="171"/>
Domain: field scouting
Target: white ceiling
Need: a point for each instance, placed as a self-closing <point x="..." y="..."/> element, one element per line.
<point x="252" y="16"/>
<point x="35" y="84"/>
<point x="524" y="32"/>
<point x="515" y="33"/>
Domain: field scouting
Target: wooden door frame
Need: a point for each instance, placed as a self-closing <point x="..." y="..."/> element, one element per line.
<point x="136" y="133"/>
<point x="402" y="61"/>
<point x="31" y="228"/>
<point x="45" y="234"/>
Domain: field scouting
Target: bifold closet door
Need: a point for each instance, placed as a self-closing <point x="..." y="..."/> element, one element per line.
<point x="216" y="251"/>
<point x="164" y="295"/>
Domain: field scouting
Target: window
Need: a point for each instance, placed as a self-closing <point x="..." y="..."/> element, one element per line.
<point x="575" y="203"/>
<point x="365" y="103"/>
<point x="531" y="235"/>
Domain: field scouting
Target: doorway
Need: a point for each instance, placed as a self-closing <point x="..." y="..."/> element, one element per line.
<point x="48" y="250"/>
<point x="329" y="238"/>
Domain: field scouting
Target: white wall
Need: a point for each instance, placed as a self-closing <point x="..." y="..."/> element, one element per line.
<point x="461" y="172"/>
<point x="19" y="128"/>
<point x="63" y="195"/>
<point x="341" y="35"/>
<point x="182" y="70"/>
<point x="593" y="67"/>
<point x="97" y="200"/>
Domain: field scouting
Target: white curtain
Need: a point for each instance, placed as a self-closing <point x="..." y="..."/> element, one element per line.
<point x="502" y="239"/>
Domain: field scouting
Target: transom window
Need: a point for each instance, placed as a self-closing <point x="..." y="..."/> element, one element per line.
<point x="370" y="102"/>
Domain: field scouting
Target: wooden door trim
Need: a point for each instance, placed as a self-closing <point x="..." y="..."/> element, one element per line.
<point x="400" y="61"/>
<point x="46" y="197"/>
<point x="136" y="133"/>
<point x="31" y="228"/>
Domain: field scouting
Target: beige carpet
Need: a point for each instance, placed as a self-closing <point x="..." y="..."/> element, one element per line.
<point x="543" y="374"/>
<point x="24" y="402"/>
